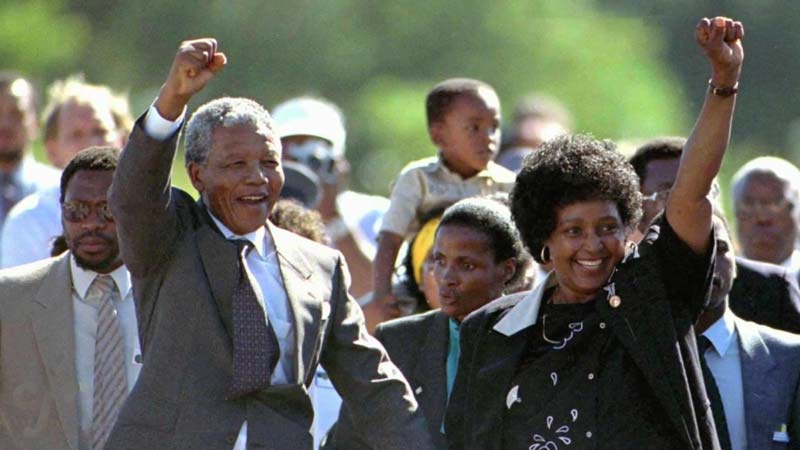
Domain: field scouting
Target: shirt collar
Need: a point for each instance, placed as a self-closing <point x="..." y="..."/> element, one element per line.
<point x="259" y="238"/>
<point x="721" y="333"/>
<point x="82" y="278"/>
<point x="526" y="312"/>
<point x="792" y="263"/>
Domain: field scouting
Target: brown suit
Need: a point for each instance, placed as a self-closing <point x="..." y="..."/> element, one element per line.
<point x="38" y="382"/>
<point x="184" y="272"/>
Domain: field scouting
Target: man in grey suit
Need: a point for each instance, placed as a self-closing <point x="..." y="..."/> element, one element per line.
<point x="752" y="370"/>
<point x="232" y="332"/>
<point x="69" y="347"/>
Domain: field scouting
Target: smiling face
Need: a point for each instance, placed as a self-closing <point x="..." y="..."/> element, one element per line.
<point x="91" y="236"/>
<point x="469" y="134"/>
<point x="241" y="178"/>
<point x="585" y="247"/>
<point x="466" y="271"/>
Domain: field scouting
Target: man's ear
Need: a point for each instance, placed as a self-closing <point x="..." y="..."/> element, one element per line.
<point x="436" y="132"/>
<point x="195" y="176"/>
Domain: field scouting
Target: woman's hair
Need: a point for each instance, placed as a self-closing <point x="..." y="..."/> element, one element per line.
<point x="565" y="170"/>
<point x="492" y="219"/>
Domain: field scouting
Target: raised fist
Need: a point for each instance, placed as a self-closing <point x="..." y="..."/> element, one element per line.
<point x="196" y="62"/>
<point x="721" y="41"/>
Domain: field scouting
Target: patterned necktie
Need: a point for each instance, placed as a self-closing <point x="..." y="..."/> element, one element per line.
<point x="255" y="345"/>
<point x="717" y="408"/>
<point x="110" y="381"/>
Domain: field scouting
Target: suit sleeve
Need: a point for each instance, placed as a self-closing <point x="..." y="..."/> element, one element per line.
<point x="141" y="201"/>
<point x="379" y="399"/>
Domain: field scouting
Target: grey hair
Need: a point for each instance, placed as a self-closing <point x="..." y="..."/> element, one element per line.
<point x="222" y="112"/>
<point x="779" y="168"/>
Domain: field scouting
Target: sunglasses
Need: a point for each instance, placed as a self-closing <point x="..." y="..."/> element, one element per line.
<point x="76" y="211"/>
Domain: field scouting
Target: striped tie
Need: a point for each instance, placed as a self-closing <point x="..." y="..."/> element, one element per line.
<point x="110" y="382"/>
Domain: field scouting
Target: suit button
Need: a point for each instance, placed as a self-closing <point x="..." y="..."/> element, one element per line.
<point x="615" y="301"/>
<point x="231" y="439"/>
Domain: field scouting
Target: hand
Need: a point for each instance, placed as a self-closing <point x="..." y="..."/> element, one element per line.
<point x="721" y="41"/>
<point x="196" y="62"/>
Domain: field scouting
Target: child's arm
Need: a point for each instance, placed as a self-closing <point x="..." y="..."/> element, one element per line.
<point x="388" y="246"/>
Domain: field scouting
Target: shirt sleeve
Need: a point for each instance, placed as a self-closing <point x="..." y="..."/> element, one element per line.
<point x="686" y="275"/>
<point x="160" y="128"/>
<point x="404" y="204"/>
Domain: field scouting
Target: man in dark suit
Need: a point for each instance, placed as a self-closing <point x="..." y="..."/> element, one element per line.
<point x="778" y="301"/>
<point x="755" y="390"/>
<point x="232" y="332"/>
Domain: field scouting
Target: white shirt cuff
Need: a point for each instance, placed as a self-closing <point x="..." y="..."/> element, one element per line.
<point x="158" y="127"/>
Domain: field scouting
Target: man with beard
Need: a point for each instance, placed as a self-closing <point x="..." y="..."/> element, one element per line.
<point x="20" y="174"/>
<point x="752" y="372"/>
<point x="69" y="347"/>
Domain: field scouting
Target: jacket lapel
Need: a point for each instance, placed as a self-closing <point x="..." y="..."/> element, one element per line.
<point x="53" y="326"/>
<point x="503" y="354"/>
<point x="757" y="365"/>
<point x="431" y="369"/>
<point x="639" y="327"/>
<point x="221" y="266"/>
<point x="307" y="309"/>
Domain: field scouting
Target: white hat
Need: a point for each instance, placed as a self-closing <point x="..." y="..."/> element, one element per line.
<point x="307" y="116"/>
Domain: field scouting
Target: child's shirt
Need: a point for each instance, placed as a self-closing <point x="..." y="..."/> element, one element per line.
<point x="427" y="184"/>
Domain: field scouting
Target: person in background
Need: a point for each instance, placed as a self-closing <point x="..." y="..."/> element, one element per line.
<point x="313" y="134"/>
<point x="464" y="123"/>
<point x="602" y="352"/>
<point x="20" y="174"/>
<point x="69" y="345"/>
<point x="766" y="202"/>
<point x="476" y="255"/>
<point x="763" y="293"/>
<point x="751" y="372"/>
<point x="78" y="115"/>
<point x="537" y="118"/>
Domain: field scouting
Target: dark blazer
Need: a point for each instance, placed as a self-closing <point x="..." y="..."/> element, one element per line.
<point x="184" y="272"/>
<point x="771" y="384"/>
<point x="766" y="294"/>
<point x="664" y="350"/>
<point x="418" y="345"/>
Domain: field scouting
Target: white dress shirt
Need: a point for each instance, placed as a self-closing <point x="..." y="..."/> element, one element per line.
<point x="85" y="337"/>
<point x="792" y="263"/>
<point x="262" y="262"/>
<point x="722" y="357"/>
<point x="31" y="227"/>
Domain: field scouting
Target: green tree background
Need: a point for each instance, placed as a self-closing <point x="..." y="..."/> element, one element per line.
<point x="626" y="69"/>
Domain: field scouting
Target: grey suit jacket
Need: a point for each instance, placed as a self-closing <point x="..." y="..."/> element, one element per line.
<point x="771" y="381"/>
<point x="38" y="383"/>
<point x="183" y="272"/>
<point x="418" y="345"/>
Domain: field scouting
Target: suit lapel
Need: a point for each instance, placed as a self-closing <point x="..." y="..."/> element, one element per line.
<point x="757" y="365"/>
<point x="494" y="377"/>
<point x="307" y="309"/>
<point x="53" y="326"/>
<point x="221" y="266"/>
<point x="639" y="328"/>
<point x="431" y="369"/>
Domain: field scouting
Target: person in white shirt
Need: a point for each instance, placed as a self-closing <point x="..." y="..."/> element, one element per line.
<point x="753" y="371"/>
<point x="78" y="115"/>
<point x="69" y="345"/>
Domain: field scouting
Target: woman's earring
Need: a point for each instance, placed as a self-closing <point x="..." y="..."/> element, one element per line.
<point x="545" y="255"/>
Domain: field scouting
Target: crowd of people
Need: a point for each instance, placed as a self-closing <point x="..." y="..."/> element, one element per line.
<point x="541" y="292"/>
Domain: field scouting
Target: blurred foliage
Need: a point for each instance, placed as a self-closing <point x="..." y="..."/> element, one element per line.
<point x="626" y="69"/>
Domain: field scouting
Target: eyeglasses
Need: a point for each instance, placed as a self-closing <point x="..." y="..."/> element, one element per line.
<point x="749" y="209"/>
<point x="76" y="211"/>
<point x="659" y="196"/>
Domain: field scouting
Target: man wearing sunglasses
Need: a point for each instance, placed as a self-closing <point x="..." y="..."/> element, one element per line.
<point x="762" y="292"/>
<point x="69" y="347"/>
